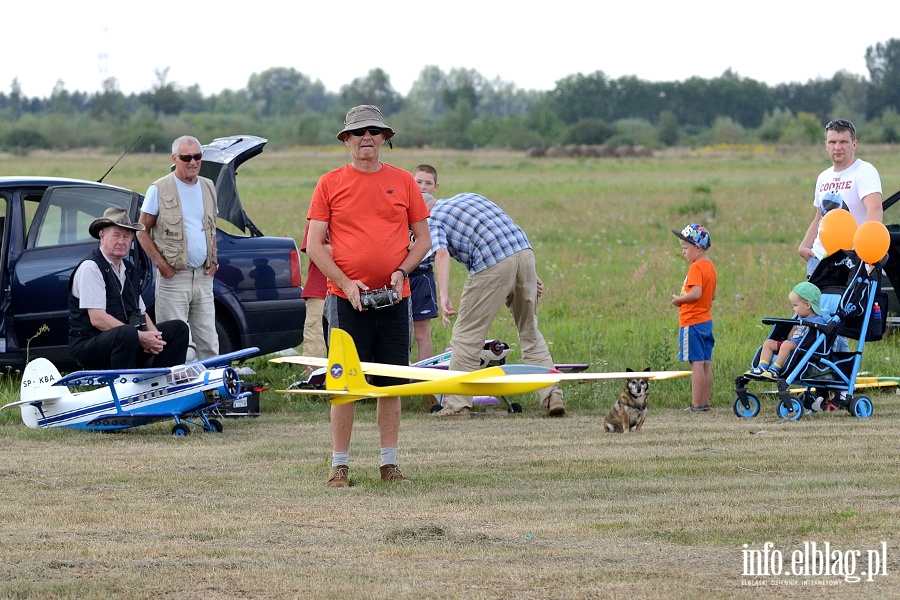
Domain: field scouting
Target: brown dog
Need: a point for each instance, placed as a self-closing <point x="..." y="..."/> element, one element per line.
<point x="630" y="410"/>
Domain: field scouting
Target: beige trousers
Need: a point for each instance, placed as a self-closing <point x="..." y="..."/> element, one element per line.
<point x="512" y="281"/>
<point x="188" y="296"/>
<point x="313" y="334"/>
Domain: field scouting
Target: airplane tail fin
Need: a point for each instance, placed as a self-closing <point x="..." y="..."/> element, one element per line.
<point x="37" y="387"/>
<point x="344" y="369"/>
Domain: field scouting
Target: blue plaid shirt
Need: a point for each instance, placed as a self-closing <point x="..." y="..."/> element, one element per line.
<point x="474" y="231"/>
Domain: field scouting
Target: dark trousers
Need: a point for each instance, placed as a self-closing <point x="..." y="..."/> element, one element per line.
<point x="119" y="348"/>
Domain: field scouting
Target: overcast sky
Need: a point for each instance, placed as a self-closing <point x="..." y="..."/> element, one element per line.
<point x="219" y="44"/>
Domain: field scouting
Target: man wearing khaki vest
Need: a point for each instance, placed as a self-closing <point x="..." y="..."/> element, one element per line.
<point x="179" y="216"/>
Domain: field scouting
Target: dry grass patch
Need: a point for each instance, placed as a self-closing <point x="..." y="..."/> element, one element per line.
<point x="499" y="507"/>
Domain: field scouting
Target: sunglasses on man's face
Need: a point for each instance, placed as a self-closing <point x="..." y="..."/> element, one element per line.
<point x="189" y="157"/>
<point x="840" y="123"/>
<point x="362" y="131"/>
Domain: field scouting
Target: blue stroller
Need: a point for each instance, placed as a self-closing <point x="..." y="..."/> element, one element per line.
<point x="850" y="290"/>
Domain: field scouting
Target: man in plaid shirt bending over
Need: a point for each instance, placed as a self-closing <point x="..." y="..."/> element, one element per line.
<point x="477" y="233"/>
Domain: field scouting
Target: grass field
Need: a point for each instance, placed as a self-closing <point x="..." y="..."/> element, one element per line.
<point x="516" y="507"/>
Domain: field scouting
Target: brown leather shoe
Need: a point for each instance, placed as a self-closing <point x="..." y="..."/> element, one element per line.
<point x="392" y="474"/>
<point x="555" y="406"/>
<point x="338" y="477"/>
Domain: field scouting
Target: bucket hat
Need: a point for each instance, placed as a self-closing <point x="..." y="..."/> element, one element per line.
<point x="364" y="115"/>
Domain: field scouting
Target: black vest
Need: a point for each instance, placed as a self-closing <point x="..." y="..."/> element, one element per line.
<point x="118" y="304"/>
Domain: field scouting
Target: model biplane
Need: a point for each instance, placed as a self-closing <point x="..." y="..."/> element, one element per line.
<point x="345" y="380"/>
<point x="125" y="398"/>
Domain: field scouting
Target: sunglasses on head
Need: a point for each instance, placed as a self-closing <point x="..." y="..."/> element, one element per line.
<point x="840" y="123"/>
<point x="362" y="131"/>
<point x="189" y="157"/>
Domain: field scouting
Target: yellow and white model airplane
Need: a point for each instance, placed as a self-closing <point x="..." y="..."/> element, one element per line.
<point x="346" y="381"/>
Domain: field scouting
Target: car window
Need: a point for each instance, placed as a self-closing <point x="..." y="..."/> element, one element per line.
<point x="31" y="201"/>
<point x="67" y="212"/>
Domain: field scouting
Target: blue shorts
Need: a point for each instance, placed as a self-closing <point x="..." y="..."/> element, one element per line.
<point x="381" y="335"/>
<point x="695" y="342"/>
<point x="423" y="295"/>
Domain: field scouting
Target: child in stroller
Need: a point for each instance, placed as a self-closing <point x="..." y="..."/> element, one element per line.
<point x="848" y="291"/>
<point x="804" y="299"/>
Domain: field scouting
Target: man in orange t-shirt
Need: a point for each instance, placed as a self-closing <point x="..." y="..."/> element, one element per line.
<point x="695" y="334"/>
<point x="367" y="209"/>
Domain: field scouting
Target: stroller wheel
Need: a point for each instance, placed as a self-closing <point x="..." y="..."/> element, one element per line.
<point x="792" y="409"/>
<point x="861" y="407"/>
<point x="748" y="411"/>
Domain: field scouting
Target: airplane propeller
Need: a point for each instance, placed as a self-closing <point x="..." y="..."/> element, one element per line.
<point x="232" y="382"/>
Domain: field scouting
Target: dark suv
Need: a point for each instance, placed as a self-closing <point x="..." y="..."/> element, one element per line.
<point x="44" y="224"/>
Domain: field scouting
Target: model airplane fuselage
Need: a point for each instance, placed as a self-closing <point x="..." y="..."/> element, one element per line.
<point x="346" y="382"/>
<point x="130" y="397"/>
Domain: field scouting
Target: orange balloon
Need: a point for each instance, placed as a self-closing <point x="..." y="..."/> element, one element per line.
<point x="871" y="241"/>
<point x="836" y="230"/>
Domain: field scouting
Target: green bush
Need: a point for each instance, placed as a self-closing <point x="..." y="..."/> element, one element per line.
<point x="590" y="131"/>
<point x="23" y="140"/>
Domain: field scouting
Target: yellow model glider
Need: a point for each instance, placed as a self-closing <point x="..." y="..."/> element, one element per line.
<point x="346" y="381"/>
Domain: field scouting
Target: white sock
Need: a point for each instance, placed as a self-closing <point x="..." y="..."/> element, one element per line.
<point x="340" y="458"/>
<point x="388" y="456"/>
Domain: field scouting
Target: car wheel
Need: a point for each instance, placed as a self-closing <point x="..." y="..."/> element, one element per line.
<point x="227" y="337"/>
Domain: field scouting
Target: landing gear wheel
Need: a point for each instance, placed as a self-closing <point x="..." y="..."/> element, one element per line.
<point x="791" y="410"/>
<point x="181" y="430"/>
<point x="215" y="426"/>
<point x="861" y="407"/>
<point x="749" y="411"/>
<point x="515" y="407"/>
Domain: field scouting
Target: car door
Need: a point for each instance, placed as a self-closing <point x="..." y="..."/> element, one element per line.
<point x="57" y="241"/>
<point x="5" y="223"/>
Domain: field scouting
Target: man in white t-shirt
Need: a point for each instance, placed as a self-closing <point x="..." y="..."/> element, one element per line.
<point x="850" y="183"/>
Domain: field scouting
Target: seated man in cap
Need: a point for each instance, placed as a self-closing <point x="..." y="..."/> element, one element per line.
<point x="108" y="324"/>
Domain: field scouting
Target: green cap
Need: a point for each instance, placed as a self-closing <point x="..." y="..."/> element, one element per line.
<point x="810" y="293"/>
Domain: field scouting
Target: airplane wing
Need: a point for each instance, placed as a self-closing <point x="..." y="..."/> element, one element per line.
<point x="557" y="377"/>
<point x="129" y="419"/>
<point x="225" y="359"/>
<point x="574" y="373"/>
<point x="28" y="402"/>
<point x="105" y="377"/>
<point x="861" y="383"/>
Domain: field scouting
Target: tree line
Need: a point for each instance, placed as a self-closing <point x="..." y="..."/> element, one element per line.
<point x="462" y="109"/>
